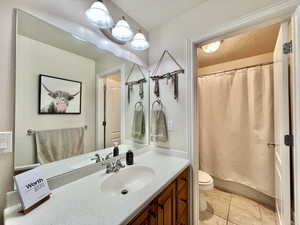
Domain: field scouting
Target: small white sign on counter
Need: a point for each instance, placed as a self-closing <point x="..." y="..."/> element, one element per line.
<point x="32" y="187"/>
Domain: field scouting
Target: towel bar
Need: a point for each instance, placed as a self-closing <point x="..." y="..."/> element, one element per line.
<point x="32" y="132"/>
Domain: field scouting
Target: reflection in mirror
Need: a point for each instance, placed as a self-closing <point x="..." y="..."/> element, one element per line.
<point x="71" y="101"/>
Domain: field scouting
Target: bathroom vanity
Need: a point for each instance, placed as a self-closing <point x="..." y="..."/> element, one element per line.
<point x="88" y="183"/>
<point x="157" y="193"/>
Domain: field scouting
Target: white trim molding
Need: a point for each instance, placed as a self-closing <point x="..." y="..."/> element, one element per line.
<point x="295" y="93"/>
<point x="274" y="13"/>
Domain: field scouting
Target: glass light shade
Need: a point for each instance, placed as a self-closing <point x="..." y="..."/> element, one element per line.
<point x="122" y="31"/>
<point x="139" y="42"/>
<point x="99" y="15"/>
<point x="211" y="47"/>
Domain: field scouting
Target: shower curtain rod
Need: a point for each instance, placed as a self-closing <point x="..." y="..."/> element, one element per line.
<point x="225" y="71"/>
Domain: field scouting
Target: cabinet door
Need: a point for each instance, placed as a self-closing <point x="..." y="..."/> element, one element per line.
<point x="147" y="217"/>
<point x="182" y="201"/>
<point x="167" y="206"/>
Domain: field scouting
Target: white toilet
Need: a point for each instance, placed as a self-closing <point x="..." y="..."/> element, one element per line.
<point x="206" y="183"/>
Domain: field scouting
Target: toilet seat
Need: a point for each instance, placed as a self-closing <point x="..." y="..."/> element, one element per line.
<point x="204" y="178"/>
<point x="206" y="183"/>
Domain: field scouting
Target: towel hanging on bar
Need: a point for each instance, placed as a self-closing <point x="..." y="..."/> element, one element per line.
<point x="159" y="131"/>
<point x="138" y="122"/>
<point x="30" y="132"/>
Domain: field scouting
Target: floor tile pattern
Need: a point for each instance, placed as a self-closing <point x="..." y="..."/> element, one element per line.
<point x="231" y="209"/>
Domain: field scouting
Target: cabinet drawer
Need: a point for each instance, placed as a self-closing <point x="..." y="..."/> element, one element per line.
<point x="182" y="179"/>
<point x="182" y="201"/>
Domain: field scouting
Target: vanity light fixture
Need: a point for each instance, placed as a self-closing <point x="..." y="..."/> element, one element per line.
<point x="122" y="31"/>
<point x="121" y="34"/>
<point x="139" y="42"/>
<point x="211" y="47"/>
<point x="99" y="15"/>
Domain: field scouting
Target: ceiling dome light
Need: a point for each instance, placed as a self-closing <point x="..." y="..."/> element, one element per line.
<point x="139" y="42"/>
<point x="122" y="31"/>
<point x="99" y="15"/>
<point x="211" y="47"/>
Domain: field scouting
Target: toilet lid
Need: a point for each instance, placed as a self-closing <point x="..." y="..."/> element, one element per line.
<point x="204" y="177"/>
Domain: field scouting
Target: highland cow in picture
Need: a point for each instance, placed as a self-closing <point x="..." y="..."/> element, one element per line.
<point x="59" y="96"/>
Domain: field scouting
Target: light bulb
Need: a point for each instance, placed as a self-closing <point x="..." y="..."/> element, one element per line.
<point x="122" y="31"/>
<point x="139" y="42"/>
<point x="99" y="15"/>
<point x="211" y="47"/>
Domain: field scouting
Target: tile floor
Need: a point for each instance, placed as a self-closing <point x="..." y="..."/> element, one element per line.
<point x="230" y="209"/>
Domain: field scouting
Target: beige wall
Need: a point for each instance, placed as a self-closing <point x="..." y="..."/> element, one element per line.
<point x="172" y="36"/>
<point x="34" y="58"/>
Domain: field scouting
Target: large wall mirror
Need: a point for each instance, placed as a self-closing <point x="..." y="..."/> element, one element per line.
<point x="74" y="101"/>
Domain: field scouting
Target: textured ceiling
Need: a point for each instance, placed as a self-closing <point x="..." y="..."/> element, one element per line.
<point x="248" y="44"/>
<point x="155" y="12"/>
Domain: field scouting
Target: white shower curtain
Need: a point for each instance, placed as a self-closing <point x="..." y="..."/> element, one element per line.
<point x="236" y="125"/>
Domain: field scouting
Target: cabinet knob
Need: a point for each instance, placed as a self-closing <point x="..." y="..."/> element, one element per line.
<point x="161" y="206"/>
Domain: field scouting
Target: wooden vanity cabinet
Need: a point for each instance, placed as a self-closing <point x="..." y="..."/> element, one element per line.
<point x="147" y="217"/>
<point x="170" y="207"/>
<point x="166" y="201"/>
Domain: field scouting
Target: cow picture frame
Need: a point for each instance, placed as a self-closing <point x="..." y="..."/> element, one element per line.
<point x="59" y="95"/>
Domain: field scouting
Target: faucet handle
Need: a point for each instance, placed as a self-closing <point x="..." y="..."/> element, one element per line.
<point x="108" y="156"/>
<point x="101" y="158"/>
<point x="119" y="164"/>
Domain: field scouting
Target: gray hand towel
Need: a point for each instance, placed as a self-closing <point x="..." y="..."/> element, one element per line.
<point x="53" y="145"/>
<point x="138" y="125"/>
<point x="159" y="131"/>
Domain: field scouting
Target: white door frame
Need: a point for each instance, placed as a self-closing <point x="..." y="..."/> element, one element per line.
<point x="262" y="17"/>
<point x="118" y="69"/>
<point x="296" y="109"/>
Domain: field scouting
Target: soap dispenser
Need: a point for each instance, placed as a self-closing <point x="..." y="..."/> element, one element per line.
<point x="116" y="149"/>
<point x="129" y="158"/>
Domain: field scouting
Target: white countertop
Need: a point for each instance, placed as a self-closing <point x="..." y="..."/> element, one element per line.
<point x="83" y="203"/>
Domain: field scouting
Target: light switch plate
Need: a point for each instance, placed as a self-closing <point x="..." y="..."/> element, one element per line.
<point x="170" y="125"/>
<point x="5" y="142"/>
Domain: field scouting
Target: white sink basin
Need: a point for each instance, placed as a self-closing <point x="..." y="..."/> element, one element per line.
<point x="128" y="180"/>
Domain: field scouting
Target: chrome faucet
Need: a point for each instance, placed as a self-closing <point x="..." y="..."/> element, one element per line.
<point x="114" y="167"/>
<point x="108" y="156"/>
<point x="98" y="158"/>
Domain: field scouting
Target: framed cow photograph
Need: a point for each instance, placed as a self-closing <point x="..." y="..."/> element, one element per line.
<point x="59" y="96"/>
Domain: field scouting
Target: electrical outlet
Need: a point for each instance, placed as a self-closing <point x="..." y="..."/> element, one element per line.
<point x="170" y="125"/>
<point x="5" y="142"/>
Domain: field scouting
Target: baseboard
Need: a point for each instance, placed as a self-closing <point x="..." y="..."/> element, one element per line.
<point x="245" y="191"/>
